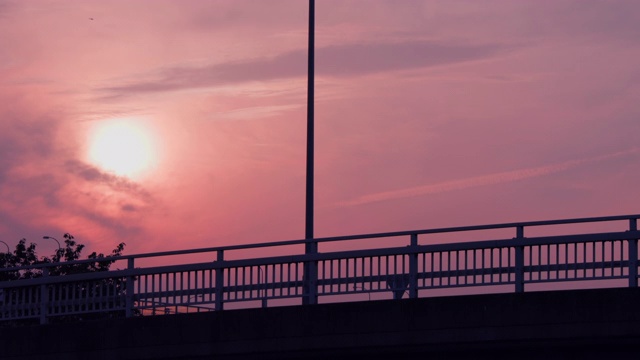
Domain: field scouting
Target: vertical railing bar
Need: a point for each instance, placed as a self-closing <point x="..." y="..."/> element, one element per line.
<point x="484" y="258"/>
<point x="440" y="270"/>
<point x="251" y="291"/>
<point x="240" y="282"/>
<point x="231" y="293"/>
<point x="324" y="274"/>
<point x="474" y="255"/>
<point x="219" y="281"/>
<point x="492" y="267"/>
<point x="364" y="264"/>
<point x="622" y="257"/>
<point x="575" y="260"/>
<point x="287" y="278"/>
<point x="556" y="260"/>
<point x="549" y="270"/>
<point x="356" y="261"/>
<point x="180" y="286"/>
<point x="432" y="269"/>
<point x="330" y="276"/>
<point x="566" y="261"/>
<point x="297" y="277"/>
<point x="138" y="284"/>
<point x="453" y="266"/>
<point x="413" y="267"/>
<point x="379" y="272"/>
<point x="100" y="295"/>
<point x="570" y="263"/>
<point x="236" y="294"/>
<point x="510" y="261"/>
<point x="321" y="276"/>
<point x="585" y="259"/>
<point x="273" y="279"/>
<point x="602" y="245"/>
<point x="280" y="288"/>
<point x="500" y="264"/>
<point x="594" y="259"/>
<point x="431" y="274"/>
<point x="246" y="282"/>
<point x="386" y="265"/>
<point x="167" y="286"/>
<point x="539" y="262"/>
<point x="372" y="272"/>
<point x="153" y="286"/>
<point x="130" y="285"/>
<point x="633" y="255"/>
<point x="449" y="276"/>
<point x="612" y="264"/>
<point x="519" y="261"/>
<point x="175" y="291"/>
<point x="339" y="287"/>
<point x="352" y="271"/>
<point x="66" y="294"/>
<point x="202" y="289"/>
<point x="462" y="268"/>
<point x="293" y="277"/>
<point x="612" y="259"/>
<point x="395" y="264"/>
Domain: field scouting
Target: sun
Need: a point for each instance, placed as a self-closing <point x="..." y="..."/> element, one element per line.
<point x="124" y="147"/>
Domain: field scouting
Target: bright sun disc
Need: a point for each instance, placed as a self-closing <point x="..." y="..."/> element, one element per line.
<point x="123" y="147"/>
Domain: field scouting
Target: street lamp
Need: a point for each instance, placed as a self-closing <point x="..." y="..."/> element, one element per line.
<point x="56" y="240"/>
<point x="7" y="245"/>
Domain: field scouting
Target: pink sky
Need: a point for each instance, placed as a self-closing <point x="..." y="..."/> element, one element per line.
<point x="428" y="114"/>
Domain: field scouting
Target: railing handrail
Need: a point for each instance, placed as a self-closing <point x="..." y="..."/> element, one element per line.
<point x="402" y="250"/>
<point x="333" y="239"/>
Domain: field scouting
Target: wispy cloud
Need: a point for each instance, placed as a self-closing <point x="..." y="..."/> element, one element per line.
<point x="335" y="60"/>
<point x="94" y="175"/>
<point x="484" y="180"/>
<point x="254" y="112"/>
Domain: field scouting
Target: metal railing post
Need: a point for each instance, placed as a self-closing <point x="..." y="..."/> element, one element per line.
<point x="129" y="290"/>
<point x="413" y="268"/>
<point x="633" y="255"/>
<point x="44" y="298"/>
<point x="310" y="275"/>
<point x="519" y="261"/>
<point x="220" y="282"/>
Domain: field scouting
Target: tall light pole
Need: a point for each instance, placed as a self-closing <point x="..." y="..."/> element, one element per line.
<point x="308" y="234"/>
<point x="310" y="268"/>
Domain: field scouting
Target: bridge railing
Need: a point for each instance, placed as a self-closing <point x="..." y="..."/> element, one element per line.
<point x="408" y="268"/>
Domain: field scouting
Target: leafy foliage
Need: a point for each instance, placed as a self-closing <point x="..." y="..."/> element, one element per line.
<point x="24" y="256"/>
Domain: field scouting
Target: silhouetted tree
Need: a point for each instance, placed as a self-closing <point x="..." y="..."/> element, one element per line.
<point x="25" y="256"/>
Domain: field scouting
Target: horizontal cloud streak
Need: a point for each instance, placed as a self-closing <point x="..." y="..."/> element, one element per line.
<point x="491" y="179"/>
<point x="336" y="60"/>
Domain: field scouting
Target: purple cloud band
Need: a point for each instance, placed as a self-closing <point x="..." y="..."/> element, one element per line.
<point x="332" y="61"/>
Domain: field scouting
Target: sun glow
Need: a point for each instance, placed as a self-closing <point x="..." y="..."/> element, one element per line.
<point x="124" y="147"/>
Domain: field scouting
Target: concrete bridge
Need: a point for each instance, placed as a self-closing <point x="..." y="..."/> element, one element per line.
<point x="576" y="324"/>
<point x="306" y="303"/>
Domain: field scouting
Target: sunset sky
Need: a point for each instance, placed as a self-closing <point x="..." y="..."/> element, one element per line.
<point x="428" y="114"/>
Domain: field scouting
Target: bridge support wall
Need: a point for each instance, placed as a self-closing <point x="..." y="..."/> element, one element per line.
<point x="584" y="324"/>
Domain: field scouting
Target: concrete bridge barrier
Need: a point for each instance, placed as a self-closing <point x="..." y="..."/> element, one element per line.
<point x="585" y="324"/>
